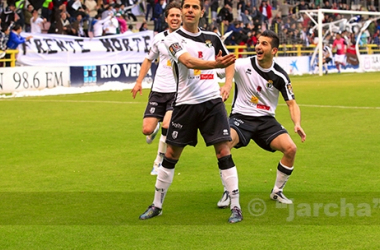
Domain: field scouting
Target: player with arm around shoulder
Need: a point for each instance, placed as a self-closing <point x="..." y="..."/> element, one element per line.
<point x="159" y="107"/>
<point x="198" y="105"/>
<point x="259" y="81"/>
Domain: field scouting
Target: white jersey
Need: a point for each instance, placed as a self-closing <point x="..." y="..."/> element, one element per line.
<point x="257" y="90"/>
<point x="163" y="81"/>
<point x="327" y="52"/>
<point x="194" y="86"/>
<point x="36" y="26"/>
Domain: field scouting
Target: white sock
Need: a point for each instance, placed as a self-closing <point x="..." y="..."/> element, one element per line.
<point x="163" y="181"/>
<point x="161" y="150"/>
<point x="224" y="186"/>
<point x="281" y="178"/>
<point x="230" y="180"/>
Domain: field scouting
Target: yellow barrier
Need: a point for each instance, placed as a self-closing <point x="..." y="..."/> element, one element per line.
<point x="11" y="58"/>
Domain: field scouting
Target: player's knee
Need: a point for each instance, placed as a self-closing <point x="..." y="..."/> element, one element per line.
<point x="291" y="150"/>
<point x="147" y="131"/>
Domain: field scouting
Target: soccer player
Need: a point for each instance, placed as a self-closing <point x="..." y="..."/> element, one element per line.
<point x="159" y="107"/>
<point x="258" y="84"/>
<point x="198" y="105"/>
<point x="340" y="46"/>
<point x="326" y="57"/>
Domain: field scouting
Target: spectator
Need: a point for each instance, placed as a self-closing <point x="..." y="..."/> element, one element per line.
<point x="149" y="6"/>
<point x="57" y="7"/>
<point x="92" y="10"/>
<point x="130" y="29"/>
<point x="127" y="10"/>
<point x="240" y="9"/>
<point x="36" y="23"/>
<point x="80" y="26"/>
<point x="65" y="28"/>
<point x="107" y="11"/>
<point x="20" y="6"/>
<point x="246" y="17"/>
<point x="9" y="16"/>
<point x="15" y="39"/>
<point x="266" y="13"/>
<point x="28" y="15"/>
<point x="122" y="23"/>
<point x="214" y="10"/>
<point x="225" y="13"/>
<point x="111" y="26"/>
<point x="302" y="6"/>
<point x="46" y="11"/>
<point x="285" y="8"/>
<point x="157" y="16"/>
<point x="256" y="15"/>
<point x="4" y="36"/>
<point x="98" y="25"/>
<point x="143" y="27"/>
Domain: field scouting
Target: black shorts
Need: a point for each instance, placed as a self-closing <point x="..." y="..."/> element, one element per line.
<point x="159" y="104"/>
<point x="209" y="117"/>
<point x="262" y="130"/>
<point x="328" y="59"/>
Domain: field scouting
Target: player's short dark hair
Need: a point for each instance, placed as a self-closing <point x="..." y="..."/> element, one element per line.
<point x="170" y="6"/>
<point x="275" y="43"/>
<point x="201" y="2"/>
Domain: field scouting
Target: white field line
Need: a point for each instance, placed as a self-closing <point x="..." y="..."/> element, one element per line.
<point x="137" y="102"/>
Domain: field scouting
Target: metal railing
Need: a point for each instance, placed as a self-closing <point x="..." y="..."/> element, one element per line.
<point x="295" y="50"/>
<point x="9" y="58"/>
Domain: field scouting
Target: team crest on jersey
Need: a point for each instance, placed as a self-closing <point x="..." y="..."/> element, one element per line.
<point x="269" y="84"/>
<point x="208" y="43"/>
<point x="152" y="110"/>
<point x="290" y="88"/>
<point x="174" y="48"/>
<point x="175" y="134"/>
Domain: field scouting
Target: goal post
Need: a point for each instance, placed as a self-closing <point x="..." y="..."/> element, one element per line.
<point x="325" y="29"/>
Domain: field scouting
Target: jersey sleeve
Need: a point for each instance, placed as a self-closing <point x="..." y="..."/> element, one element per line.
<point x="175" y="49"/>
<point x="283" y="84"/>
<point x="218" y="45"/>
<point x="287" y="89"/>
<point x="154" y="52"/>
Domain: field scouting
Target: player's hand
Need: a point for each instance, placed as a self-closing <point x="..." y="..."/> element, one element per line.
<point x="225" y="92"/>
<point x="224" y="61"/>
<point x="300" y="132"/>
<point x="136" y="88"/>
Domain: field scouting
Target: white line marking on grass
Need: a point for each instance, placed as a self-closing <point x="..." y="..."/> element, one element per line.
<point x="327" y="106"/>
<point x="331" y="106"/>
<point x="74" y="101"/>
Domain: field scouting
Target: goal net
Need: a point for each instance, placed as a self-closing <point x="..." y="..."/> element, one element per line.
<point x="354" y="28"/>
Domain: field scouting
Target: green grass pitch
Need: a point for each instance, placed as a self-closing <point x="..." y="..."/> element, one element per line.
<point x="75" y="174"/>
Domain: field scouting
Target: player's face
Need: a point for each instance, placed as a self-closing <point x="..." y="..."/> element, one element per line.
<point x="174" y="19"/>
<point x="191" y="12"/>
<point x="264" y="50"/>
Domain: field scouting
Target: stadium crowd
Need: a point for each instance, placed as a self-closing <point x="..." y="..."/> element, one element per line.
<point x="245" y="19"/>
